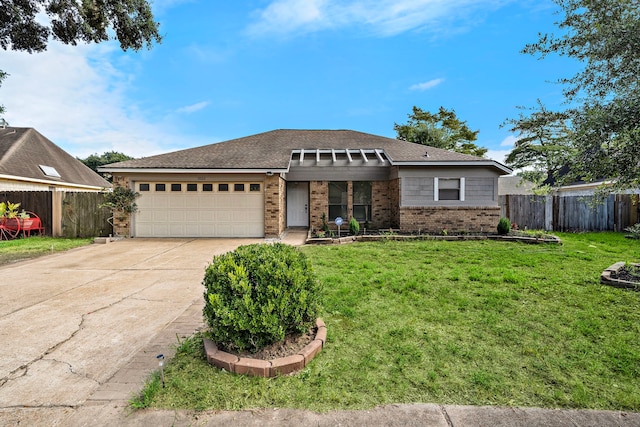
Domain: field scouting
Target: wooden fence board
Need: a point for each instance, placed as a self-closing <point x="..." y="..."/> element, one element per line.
<point x="571" y="213"/>
<point x="82" y="216"/>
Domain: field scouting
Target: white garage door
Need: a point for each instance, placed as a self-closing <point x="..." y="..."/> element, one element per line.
<point x="169" y="209"/>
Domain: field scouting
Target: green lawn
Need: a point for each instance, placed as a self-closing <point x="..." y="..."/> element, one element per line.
<point x="32" y="247"/>
<point x="474" y="323"/>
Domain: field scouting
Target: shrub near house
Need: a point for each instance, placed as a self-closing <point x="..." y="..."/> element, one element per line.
<point x="259" y="293"/>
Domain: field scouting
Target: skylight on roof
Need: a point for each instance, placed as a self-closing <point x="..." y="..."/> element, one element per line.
<point x="49" y="171"/>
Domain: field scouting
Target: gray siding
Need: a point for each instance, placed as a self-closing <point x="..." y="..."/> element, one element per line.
<point x="417" y="186"/>
<point x="417" y="191"/>
<point x="480" y="189"/>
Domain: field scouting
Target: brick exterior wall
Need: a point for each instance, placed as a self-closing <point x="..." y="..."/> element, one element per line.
<point x="121" y="225"/>
<point x="380" y="205"/>
<point x="275" y="206"/>
<point x="318" y="203"/>
<point x="454" y="219"/>
<point x="394" y="203"/>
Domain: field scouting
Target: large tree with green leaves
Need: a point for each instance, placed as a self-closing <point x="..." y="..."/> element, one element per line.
<point x="543" y="147"/>
<point x="94" y="161"/>
<point x="29" y="25"/>
<point x="604" y="98"/>
<point x="22" y="28"/>
<point x="441" y="130"/>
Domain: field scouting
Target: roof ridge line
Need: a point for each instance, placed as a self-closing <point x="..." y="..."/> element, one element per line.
<point x="17" y="143"/>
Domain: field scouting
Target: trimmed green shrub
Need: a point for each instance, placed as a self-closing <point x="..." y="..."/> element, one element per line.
<point x="504" y="226"/>
<point x="354" y="226"/>
<point x="259" y="293"/>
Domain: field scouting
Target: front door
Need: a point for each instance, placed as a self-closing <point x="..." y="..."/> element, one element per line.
<point x="297" y="204"/>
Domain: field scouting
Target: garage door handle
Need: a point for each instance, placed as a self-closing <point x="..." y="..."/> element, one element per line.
<point x="305" y="208"/>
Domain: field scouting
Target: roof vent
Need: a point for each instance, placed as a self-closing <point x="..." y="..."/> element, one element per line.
<point x="3" y="124"/>
<point x="426" y="154"/>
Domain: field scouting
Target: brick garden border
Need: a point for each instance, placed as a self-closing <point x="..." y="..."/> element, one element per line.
<point x="267" y="368"/>
<point x="401" y="237"/>
<point x="606" y="278"/>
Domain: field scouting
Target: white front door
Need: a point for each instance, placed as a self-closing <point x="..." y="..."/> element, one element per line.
<point x="297" y="204"/>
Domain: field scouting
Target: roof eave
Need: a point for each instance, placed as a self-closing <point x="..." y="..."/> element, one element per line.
<point x="51" y="183"/>
<point x="191" y="171"/>
<point x="490" y="163"/>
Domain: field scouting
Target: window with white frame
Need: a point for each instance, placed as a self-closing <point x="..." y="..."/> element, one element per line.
<point x="448" y="189"/>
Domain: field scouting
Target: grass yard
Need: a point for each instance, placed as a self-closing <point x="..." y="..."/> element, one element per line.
<point x="474" y="323"/>
<point x="32" y="247"/>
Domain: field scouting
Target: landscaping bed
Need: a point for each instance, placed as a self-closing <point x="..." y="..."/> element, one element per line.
<point x="622" y="275"/>
<point x="534" y="237"/>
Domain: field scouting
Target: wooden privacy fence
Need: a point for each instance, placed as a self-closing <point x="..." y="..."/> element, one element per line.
<point x="82" y="216"/>
<point x="571" y="213"/>
<point x="65" y="214"/>
<point x="38" y="202"/>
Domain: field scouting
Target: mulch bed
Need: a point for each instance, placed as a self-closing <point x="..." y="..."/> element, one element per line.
<point x="291" y="344"/>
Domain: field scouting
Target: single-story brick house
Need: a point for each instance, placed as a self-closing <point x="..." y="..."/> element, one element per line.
<point x="262" y="184"/>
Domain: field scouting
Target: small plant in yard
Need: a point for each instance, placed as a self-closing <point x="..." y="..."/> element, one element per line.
<point x="9" y="210"/>
<point x="325" y="224"/>
<point x="354" y="226"/>
<point x="259" y="293"/>
<point x="122" y="201"/>
<point x="504" y="226"/>
<point x="634" y="231"/>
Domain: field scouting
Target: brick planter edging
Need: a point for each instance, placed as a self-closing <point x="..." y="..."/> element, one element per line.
<point x="267" y="368"/>
<point x="400" y="237"/>
<point x="606" y="278"/>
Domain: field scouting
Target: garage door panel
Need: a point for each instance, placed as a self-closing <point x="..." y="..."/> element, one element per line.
<point x="199" y="214"/>
<point x="159" y="201"/>
<point x="206" y="202"/>
<point x="177" y="215"/>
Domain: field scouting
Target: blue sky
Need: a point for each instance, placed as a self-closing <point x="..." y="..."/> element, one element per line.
<point x="231" y="69"/>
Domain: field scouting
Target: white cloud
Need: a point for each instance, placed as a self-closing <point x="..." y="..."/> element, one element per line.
<point x="382" y="17"/>
<point x="192" y="108"/>
<point x="498" y="155"/>
<point x="509" y="141"/>
<point x="286" y="16"/>
<point x="77" y="97"/>
<point x="426" y="85"/>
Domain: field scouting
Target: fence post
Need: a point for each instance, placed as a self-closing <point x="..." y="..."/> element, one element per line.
<point x="56" y="213"/>
<point x="548" y="212"/>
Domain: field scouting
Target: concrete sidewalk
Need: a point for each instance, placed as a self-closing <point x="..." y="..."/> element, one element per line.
<point x="80" y="333"/>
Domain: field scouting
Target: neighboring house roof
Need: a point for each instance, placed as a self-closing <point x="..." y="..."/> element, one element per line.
<point x="514" y="184"/>
<point x="26" y="155"/>
<point x="273" y="151"/>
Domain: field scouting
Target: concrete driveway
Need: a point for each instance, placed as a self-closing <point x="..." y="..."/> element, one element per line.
<point x="70" y="321"/>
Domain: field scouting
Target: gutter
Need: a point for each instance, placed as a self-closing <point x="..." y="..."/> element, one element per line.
<point x="51" y="183"/>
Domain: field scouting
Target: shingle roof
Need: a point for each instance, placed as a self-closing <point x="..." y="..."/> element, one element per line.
<point x="23" y="150"/>
<point x="273" y="150"/>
